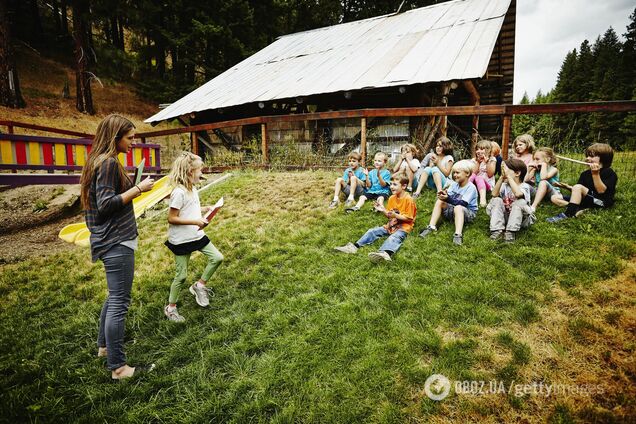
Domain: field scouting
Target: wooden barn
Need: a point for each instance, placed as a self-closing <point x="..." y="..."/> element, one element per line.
<point x="455" y="53"/>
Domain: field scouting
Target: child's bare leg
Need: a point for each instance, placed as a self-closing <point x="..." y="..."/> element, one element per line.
<point x="410" y="174"/>
<point x="558" y="200"/>
<point x="361" y="201"/>
<point x="482" y="198"/>
<point x="578" y="192"/>
<point x="422" y="182"/>
<point x="459" y="219"/>
<point x="354" y="184"/>
<point x="540" y="194"/>
<point x="437" y="213"/>
<point x="438" y="181"/>
<point x="337" y="188"/>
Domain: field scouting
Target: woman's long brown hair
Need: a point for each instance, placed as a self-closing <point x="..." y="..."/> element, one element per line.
<point x="109" y="132"/>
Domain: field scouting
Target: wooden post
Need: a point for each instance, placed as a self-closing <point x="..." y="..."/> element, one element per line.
<point x="264" y="149"/>
<point x="10" y="129"/>
<point x="194" y="145"/>
<point x="363" y="140"/>
<point x="505" y="137"/>
<point x="143" y="140"/>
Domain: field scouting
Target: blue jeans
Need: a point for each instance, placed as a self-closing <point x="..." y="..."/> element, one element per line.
<point x="391" y="244"/>
<point x="119" y="263"/>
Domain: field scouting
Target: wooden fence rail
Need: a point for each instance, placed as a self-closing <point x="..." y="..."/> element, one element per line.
<point x="506" y="111"/>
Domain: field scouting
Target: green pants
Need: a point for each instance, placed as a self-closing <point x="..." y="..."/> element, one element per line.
<point x="214" y="260"/>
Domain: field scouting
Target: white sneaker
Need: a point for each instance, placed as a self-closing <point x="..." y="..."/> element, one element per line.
<point x="200" y="294"/>
<point x="173" y="315"/>
<point x="347" y="248"/>
<point x="380" y="256"/>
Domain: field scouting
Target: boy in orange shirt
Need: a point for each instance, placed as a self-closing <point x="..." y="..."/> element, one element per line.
<point x="400" y="211"/>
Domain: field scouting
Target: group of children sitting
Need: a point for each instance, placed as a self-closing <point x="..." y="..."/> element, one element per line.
<point x="517" y="186"/>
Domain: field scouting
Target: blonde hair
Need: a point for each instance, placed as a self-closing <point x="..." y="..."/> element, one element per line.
<point x="383" y="155"/>
<point x="484" y="144"/>
<point x="109" y="131"/>
<point x="464" y="165"/>
<point x="182" y="169"/>
<point x="526" y="139"/>
<point x="410" y="147"/>
<point x="549" y="154"/>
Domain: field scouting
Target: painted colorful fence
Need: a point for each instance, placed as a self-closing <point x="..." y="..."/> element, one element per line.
<point x="25" y="152"/>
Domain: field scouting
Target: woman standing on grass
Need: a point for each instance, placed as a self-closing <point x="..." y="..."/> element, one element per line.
<point x="107" y="194"/>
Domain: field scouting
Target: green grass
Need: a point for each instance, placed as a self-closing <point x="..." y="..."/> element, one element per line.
<point x="297" y="332"/>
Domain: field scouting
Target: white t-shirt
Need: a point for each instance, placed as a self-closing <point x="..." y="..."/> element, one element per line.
<point x="415" y="162"/>
<point x="509" y="197"/>
<point x="189" y="208"/>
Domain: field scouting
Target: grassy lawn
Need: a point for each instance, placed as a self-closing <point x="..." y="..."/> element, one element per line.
<point x="299" y="333"/>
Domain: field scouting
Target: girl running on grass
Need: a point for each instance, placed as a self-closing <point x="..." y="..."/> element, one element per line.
<point x="185" y="232"/>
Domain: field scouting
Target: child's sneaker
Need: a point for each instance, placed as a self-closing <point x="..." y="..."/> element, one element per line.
<point x="496" y="235"/>
<point x="173" y="315"/>
<point x="200" y="294"/>
<point x="333" y="204"/>
<point x="379" y="256"/>
<point x="509" y="236"/>
<point x="557" y="218"/>
<point x="352" y="209"/>
<point x="347" y="248"/>
<point x="426" y="231"/>
<point x="415" y="195"/>
<point x="349" y="202"/>
<point x="458" y="239"/>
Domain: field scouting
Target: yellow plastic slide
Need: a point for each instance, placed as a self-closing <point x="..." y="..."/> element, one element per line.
<point x="79" y="234"/>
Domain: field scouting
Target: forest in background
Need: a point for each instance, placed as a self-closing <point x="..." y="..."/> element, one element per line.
<point x="604" y="70"/>
<point x="167" y="49"/>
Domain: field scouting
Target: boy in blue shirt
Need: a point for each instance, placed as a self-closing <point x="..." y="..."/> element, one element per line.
<point x="376" y="184"/>
<point x="458" y="203"/>
<point x="351" y="183"/>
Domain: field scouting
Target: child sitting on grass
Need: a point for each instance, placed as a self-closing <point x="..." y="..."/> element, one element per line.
<point x="435" y="174"/>
<point x="484" y="166"/>
<point x="185" y="232"/>
<point x="496" y="153"/>
<point x="376" y="183"/>
<point x="509" y="208"/>
<point x="408" y="163"/>
<point x="458" y="203"/>
<point x="400" y="211"/>
<point x="351" y="183"/>
<point x="596" y="186"/>
<point x="542" y="171"/>
<point x="524" y="146"/>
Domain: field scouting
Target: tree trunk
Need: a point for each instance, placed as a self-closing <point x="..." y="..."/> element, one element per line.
<point x="10" y="94"/>
<point x="56" y="16"/>
<point x="63" y="8"/>
<point x="120" y="38"/>
<point x="82" y="74"/>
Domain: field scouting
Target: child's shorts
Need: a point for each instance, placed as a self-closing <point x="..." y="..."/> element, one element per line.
<point x="347" y="190"/>
<point x="374" y="196"/>
<point x="552" y="190"/>
<point x="449" y="213"/>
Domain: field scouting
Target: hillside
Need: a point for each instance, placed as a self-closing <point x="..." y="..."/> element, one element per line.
<point x="42" y="82"/>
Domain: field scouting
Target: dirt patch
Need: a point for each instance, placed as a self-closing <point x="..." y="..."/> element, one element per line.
<point x="32" y="206"/>
<point x="31" y="218"/>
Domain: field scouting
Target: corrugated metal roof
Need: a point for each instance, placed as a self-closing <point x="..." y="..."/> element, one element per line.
<point x="448" y="41"/>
